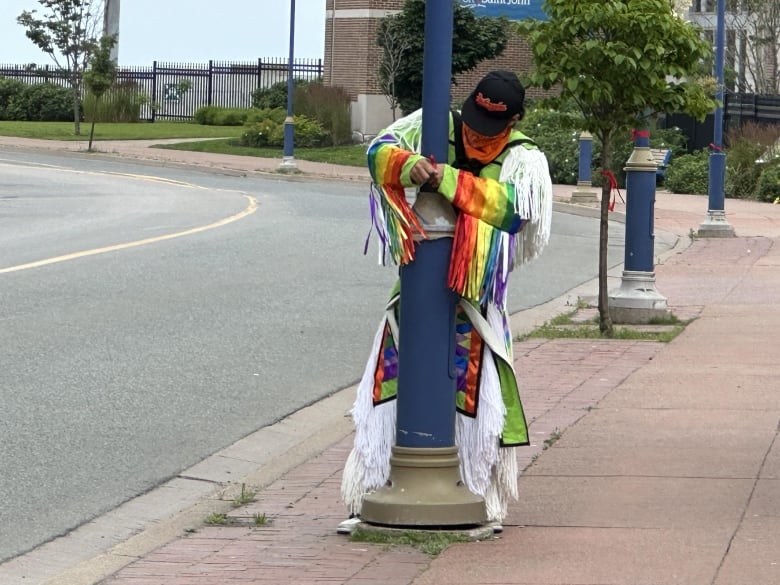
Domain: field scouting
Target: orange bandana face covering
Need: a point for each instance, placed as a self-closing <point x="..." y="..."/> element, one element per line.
<point x="484" y="148"/>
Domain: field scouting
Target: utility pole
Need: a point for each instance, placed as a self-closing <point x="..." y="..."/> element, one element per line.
<point x="288" y="160"/>
<point x="111" y="26"/>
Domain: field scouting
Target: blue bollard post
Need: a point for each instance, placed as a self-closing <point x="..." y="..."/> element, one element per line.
<point x="715" y="225"/>
<point x="584" y="192"/>
<point x="425" y="488"/>
<point x="640" y="206"/>
<point x="637" y="300"/>
<point x="586" y="159"/>
<point x="288" y="160"/>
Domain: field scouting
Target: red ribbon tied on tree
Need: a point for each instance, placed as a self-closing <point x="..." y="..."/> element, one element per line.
<point x="613" y="187"/>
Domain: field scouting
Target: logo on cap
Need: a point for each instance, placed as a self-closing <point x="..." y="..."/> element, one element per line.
<point x="488" y="104"/>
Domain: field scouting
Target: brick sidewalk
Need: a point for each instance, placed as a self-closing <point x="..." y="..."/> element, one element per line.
<point x="300" y="545"/>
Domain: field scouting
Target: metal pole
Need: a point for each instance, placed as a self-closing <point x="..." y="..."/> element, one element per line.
<point x="716" y="224"/>
<point x="426" y="411"/>
<point x="288" y="160"/>
<point x="425" y="488"/>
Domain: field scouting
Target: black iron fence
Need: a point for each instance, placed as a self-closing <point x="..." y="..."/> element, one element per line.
<point x="174" y="91"/>
<point x="744" y="107"/>
<point x="738" y="110"/>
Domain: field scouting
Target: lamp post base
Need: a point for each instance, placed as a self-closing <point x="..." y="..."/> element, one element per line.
<point x="425" y="490"/>
<point x="582" y="194"/>
<point x="715" y="225"/>
<point x="637" y="300"/>
<point x="288" y="165"/>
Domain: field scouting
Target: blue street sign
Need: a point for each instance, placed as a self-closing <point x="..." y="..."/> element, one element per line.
<point x="512" y="9"/>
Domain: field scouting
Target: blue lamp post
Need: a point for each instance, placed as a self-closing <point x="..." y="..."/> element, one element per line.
<point x="715" y="225"/>
<point x="425" y="488"/>
<point x="288" y="160"/>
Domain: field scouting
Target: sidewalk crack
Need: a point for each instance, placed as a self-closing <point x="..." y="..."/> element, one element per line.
<point x="747" y="506"/>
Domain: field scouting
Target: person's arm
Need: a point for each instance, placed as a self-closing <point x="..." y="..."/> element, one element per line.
<point x="393" y="156"/>
<point x="391" y="165"/>
<point x="492" y="201"/>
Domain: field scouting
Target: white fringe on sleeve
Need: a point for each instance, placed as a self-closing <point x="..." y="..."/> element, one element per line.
<point x="528" y="171"/>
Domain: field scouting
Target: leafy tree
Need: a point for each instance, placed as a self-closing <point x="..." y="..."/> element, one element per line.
<point x="620" y="62"/>
<point x="474" y="40"/>
<point x="67" y="32"/>
<point x="100" y="76"/>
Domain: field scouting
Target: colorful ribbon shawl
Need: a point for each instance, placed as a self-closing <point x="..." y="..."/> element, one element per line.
<point x="481" y="254"/>
<point x="391" y="215"/>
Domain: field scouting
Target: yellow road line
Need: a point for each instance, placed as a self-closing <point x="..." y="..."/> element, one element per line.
<point x="250" y="209"/>
<point x="102" y="173"/>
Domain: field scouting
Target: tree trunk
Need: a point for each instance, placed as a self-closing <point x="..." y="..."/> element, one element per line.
<point x="76" y="113"/>
<point x="605" y="321"/>
<point x="91" y="133"/>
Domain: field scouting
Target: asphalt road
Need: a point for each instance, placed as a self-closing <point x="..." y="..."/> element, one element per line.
<point x="147" y="322"/>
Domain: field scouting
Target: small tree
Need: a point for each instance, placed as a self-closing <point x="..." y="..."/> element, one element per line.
<point x="100" y="76"/>
<point x="619" y="61"/>
<point x="474" y="40"/>
<point x="394" y="44"/>
<point x="67" y="32"/>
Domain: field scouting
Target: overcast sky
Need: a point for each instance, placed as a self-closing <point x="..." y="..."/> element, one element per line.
<point x="189" y="30"/>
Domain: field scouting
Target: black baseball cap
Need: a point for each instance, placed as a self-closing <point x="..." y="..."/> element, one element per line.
<point x="497" y="97"/>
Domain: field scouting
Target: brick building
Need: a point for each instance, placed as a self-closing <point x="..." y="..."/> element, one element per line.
<point x="352" y="59"/>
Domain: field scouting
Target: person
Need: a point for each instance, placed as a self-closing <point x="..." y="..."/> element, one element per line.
<point x="498" y="184"/>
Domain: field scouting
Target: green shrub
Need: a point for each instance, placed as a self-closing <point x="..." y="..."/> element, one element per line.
<point x="748" y="145"/>
<point x="329" y="106"/>
<point x="205" y="115"/>
<point x="556" y="134"/>
<point x="219" y="116"/>
<point x="9" y="90"/>
<point x="671" y="138"/>
<point x="689" y="173"/>
<point x="41" y="102"/>
<point x="768" y="188"/>
<point x="121" y="103"/>
<point x="268" y="98"/>
<point x="267" y="129"/>
<point x="742" y="172"/>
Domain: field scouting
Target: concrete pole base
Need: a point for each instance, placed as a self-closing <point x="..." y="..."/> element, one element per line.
<point x="425" y="490"/>
<point x="715" y="225"/>
<point x="584" y="195"/>
<point x="637" y="301"/>
<point x="288" y="165"/>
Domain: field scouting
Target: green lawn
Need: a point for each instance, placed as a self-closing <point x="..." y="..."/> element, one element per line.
<point x="224" y="143"/>
<point x="106" y="131"/>
<point x="338" y="155"/>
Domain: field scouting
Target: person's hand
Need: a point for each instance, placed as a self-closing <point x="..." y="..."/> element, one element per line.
<point x="436" y="177"/>
<point x="427" y="172"/>
<point x="421" y="172"/>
